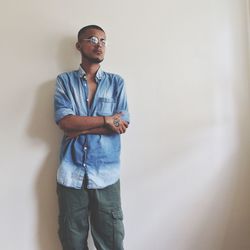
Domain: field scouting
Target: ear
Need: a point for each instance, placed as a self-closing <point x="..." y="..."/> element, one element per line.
<point x="78" y="46"/>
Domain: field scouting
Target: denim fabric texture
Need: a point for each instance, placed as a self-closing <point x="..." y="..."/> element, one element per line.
<point x="97" y="156"/>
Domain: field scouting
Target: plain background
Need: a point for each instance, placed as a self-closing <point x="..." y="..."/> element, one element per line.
<point x="185" y="161"/>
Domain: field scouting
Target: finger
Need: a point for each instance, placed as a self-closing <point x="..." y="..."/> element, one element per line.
<point x="125" y="124"/>
<point x="122" y="128"/>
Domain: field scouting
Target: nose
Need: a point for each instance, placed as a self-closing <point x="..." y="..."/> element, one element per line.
<point x="99" y="44"/>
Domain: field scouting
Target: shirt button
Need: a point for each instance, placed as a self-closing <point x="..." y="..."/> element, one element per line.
<point x="85" y="84"/>
<point x="85" y="148"/>
<point x="87" y="99"/>
<point x="84" y="77"/>
<point x="84" y="164"/>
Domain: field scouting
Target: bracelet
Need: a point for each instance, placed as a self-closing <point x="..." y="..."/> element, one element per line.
<point x="104" y="120"/>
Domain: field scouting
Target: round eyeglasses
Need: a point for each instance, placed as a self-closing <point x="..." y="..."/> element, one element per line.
<point x="95" y="40"/>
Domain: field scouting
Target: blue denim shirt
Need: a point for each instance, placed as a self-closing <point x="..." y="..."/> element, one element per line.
<point x="98" y="156"/>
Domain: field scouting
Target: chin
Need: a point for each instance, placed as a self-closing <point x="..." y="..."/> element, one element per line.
<point x="97" y="60"/>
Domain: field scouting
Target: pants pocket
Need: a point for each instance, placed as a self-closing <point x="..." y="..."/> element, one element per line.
<point x="118" y="229"/>
<point x="107" y="229"/>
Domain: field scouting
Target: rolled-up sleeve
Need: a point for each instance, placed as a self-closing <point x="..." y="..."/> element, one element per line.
<point x="62" y="102"/>
<point x="122" y="103"/>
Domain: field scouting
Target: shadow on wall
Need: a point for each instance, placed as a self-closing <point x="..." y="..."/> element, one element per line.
<point x="68" y="56"/>
<point x="42" y="127"/>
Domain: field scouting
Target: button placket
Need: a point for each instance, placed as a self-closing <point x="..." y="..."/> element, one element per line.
<point x="85" y="87"/>
<point x="86" y="92"/>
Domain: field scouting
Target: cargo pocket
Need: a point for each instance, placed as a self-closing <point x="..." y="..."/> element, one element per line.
<point x="118" y="229"/>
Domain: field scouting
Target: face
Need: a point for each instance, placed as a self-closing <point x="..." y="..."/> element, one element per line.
<point x="93" y="53"/>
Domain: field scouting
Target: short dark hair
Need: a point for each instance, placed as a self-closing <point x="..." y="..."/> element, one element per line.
<point x="84" y="29"/>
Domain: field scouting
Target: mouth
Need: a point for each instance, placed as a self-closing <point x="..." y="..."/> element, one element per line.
<point x="98" y="52"/>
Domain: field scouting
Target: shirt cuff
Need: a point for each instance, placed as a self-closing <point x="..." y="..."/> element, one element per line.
<point x="125" y="116"/>
<point x="60" y="113"/>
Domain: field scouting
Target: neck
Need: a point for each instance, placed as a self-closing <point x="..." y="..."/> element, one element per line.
<point x="90" y="68"/>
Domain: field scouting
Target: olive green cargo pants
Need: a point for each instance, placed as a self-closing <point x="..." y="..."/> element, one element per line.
<point x="102" y="207"/>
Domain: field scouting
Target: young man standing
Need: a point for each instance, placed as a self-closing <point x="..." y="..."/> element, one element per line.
<point x="91" y="108"/>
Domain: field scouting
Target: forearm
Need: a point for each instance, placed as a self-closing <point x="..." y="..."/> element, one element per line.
<point x="74" y="123"/>
<point x="94" y="131"/>
<point x="73" y="126"/>
<point x="98" y="131"/>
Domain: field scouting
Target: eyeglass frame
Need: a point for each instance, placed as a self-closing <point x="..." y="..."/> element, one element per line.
<point x="96" y="40"/>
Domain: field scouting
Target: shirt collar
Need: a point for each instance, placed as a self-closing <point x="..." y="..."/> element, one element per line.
<point x="98" y="75"/>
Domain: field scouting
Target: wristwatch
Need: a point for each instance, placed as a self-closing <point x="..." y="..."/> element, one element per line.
<point x="116" y="122"/>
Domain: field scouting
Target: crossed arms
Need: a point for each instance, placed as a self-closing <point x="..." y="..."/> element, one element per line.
<point x="74" y="125"/>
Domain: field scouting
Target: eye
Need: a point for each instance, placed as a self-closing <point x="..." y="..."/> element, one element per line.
<point x="103" y="41"/>
<point x="94" y="40"/>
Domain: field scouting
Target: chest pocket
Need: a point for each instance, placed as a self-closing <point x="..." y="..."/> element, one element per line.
<point x="106" y="106"/>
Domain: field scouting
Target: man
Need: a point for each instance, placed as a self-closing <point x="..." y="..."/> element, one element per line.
<point x="91" y="108"/>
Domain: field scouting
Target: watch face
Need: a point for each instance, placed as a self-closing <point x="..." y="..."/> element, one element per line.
<point x="116" y="122"/>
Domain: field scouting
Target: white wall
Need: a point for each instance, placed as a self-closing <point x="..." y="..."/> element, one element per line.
<point x="185" y="175"/>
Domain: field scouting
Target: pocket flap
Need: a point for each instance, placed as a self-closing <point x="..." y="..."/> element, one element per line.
<point x="117" y="214"/>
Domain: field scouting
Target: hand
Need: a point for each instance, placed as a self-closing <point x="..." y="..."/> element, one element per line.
<point x="116" y="124"/>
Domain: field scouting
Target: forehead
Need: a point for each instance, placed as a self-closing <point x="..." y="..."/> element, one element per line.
<point x="93" y="32"/>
